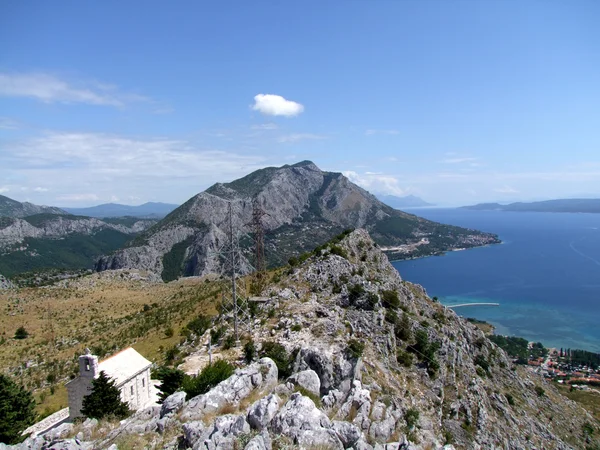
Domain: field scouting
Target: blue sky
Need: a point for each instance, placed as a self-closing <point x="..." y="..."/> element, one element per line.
<point x="455" y="101"/>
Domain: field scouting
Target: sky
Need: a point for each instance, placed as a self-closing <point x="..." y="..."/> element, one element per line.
<point x="457" y="102"/>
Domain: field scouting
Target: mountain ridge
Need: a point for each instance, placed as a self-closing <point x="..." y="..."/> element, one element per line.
<point x="569" y="205"/>
<point x="146" y="210"/>
<point x="304" y="207"/>
<point x="407" y="201"/>
<point x="13" y="208"/>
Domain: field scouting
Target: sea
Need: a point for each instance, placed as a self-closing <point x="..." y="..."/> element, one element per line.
<point x="545" y="275"/>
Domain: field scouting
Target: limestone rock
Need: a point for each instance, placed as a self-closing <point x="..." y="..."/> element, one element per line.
<point x="262" y="411"/>
<point x="172" y="403"/>
<point x="308" y="379"/>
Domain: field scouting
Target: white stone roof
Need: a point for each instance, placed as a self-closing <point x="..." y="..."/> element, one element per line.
<point x="123" y="365"/>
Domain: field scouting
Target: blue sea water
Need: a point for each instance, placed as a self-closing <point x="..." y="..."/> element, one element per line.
<point x="545" y="274"/>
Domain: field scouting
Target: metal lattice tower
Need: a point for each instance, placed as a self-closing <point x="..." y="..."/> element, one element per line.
<point x="258" y="231"/>
<point x="231" y="260"/>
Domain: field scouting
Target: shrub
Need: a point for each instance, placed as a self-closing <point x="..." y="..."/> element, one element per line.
<point x="104" y="400"/>
<point x="390" y="299"/>
<point x="21" y="333"/>
<point x="509" y="399"/>
<point x="249" y="351"/>
<point x="539" y="391"/>
<point x="337" y="250"/>
<point x="355" y="348"/>
<point x="411" y="417"/>
<point x="297" y="327"/>
<point x="355" y="292"/>
<point x="279" y="355"/>
<point x="199" y="325"/>
<point x="482" y="362"/>
<point x="404" y="358"/>
<point x="229" y="342"/>
<point x="208" y="378"/>
<point x="216" y="334"/>
<point x="17" y="410"/>
<point x="172" y="379"/>
<point x="169" y="332"/>
<point x="403" y="329"/>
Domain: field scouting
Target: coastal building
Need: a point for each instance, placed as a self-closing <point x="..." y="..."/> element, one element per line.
<point x="128" y="369"/>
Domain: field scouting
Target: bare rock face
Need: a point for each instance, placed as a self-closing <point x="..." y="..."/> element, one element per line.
<point x="305" y="207"/>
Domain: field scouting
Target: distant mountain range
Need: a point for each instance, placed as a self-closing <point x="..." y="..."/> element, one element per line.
<point x="572" y="205"/>
<point x="13" y="208"/>
<point x="153" y="210"/>
<point x="408" y="201"/>
<point x="304" y="206"/>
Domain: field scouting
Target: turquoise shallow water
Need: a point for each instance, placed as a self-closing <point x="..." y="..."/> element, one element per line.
<point x="545" y="274"/>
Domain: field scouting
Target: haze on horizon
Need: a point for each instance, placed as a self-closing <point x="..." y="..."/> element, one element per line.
<point x="455" y="102"/>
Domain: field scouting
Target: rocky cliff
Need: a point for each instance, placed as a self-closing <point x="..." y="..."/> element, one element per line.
<point x="374" y="364"/>
<point x="13" y="208"/>
<point x="303" y="207"/>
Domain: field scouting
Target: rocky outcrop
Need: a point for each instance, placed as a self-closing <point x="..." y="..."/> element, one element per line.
<point x="14" y="231"/>
<point x="342" y="394"/>
<point x="5" y="283"/>
<point x="305" y="207"/>
<point x="13" y="208"/>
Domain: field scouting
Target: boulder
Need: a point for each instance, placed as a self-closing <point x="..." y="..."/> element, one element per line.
<point x="347" y="433"/>
<point x="231" y="391"/>
<point x="67" y="444"/>
<point x="262" y="411"/>
<point x="319" y="438"/>
<point x="307" y="379"/>
<point x="172" y="403"/>
<point x="300" y="415"/>
<point x="192" y="432"/>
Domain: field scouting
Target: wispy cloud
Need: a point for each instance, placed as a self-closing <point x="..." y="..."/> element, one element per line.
<point x="51" y="89"/>
<point x="4" y="189"/>
<point x="371" y="132"/>
<point x="295" y="137"/>
<point x="40" y="189"/>
<point x="75" y="166"/>
<point x="6" y="123"/>
<point x="376" y="182"/>
<point x="276" y="105"/>
<point x="506" y="190"/>
<point x="264" y="126"/>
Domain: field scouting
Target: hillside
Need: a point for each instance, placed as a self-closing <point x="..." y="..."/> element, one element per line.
<point x="572" y="205"/>
<point x="408" y="201"/>
<point x="363" y="359"/>
<point x="150" y="210"/>
<point x="44" y="241"/>
<point x="13" y="208"/>
<point x="303" y="207"/>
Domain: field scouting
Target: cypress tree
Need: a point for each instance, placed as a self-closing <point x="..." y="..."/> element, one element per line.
<point x="17" y="410"/>
<point x="104" y="400"/>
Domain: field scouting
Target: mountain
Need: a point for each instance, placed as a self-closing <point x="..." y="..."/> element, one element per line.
<point x="343" y="354"/>
<point x="44" y="241"/>
<point x="408" y="201"/>
<point x="13" y="208"/>
<point x="571" y="205"/>
<point x="153" y="210"/>
<point x="303" y="207"/>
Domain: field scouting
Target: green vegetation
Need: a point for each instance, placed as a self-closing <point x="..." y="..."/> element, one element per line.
<point x="21" y="333"/>
<point x="425" y="351"/>
<point x="279" y="355"/>
<point x="581" y="357"/>
<point x="516" y="347"/>
<point x="104" y="400"/>
<point x="539" y="391"/>
<point x="173" y="260"/>
<point x="17" y="410"/>
<point x="249" y="351"/>
<point x="208" y="378"/>
<point x="172" y="379"/>
<point x="199" y="325"/>
<point x="75" y="251"/>
<point x="411" y="417"/>
<point x="355" y="348"/>
<point x="390" y="299"/>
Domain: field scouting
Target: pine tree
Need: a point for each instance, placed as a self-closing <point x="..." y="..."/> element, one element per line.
<point x="104" y="400"/>
<point x="17" y="410"/>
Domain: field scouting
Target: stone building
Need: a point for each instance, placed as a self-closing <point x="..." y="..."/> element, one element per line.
<point x="128" y="369"/>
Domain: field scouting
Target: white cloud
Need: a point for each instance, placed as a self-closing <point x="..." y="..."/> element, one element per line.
<point x="506" y="190"/>
<point x="78" y="197"/>
<point x="276" y="105"/>
<point x="40" y="189"/>
<point x="50" y="89"/>
<point x="372" y="132"/>
<point x="4" y="189"/>
<point x="377" y="183"/>
<point x="295" y="137"/>
<point x="76" y="166"/>
<point x="264" y="126"/>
